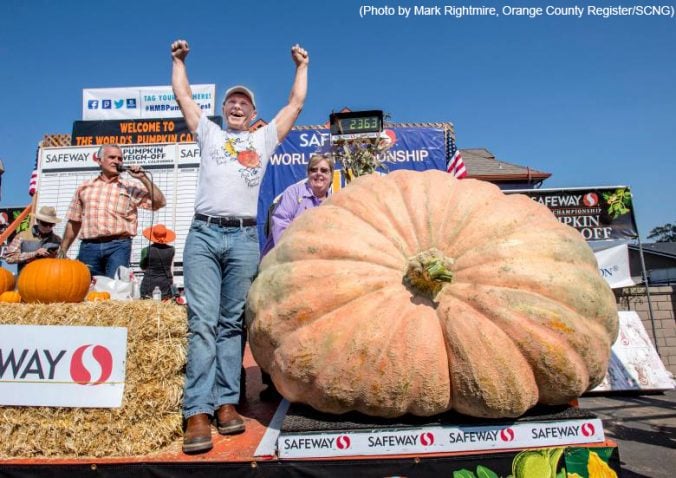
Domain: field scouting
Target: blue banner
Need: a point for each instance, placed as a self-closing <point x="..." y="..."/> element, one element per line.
<point x="418" y="149"/>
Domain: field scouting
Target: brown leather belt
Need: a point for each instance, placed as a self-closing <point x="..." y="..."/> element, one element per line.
<point x="226" y="221"/>
<point x="98" y="240"/>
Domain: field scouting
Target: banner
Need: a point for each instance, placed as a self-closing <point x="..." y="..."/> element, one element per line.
<point x="598" y="213"/>
<point x="61" y="366"/>
<point x="634" y="362"/>
<point x="614" y="266"/>
<point x="439" y="439"/>
<point x="91" y="133"/>
<point x="418" y="149"/>
<point x="141" y="102"/>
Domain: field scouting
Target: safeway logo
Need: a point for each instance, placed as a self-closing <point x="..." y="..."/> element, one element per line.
<point x="427" y="439"/>
<point x="90" y="361"/>
<point x="507" y="434"/>
<point x="343" y="442"/>
<point x="590" y="199"/>
<point x="588" y="429"/>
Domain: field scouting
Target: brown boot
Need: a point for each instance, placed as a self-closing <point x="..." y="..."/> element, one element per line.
<point x="197" y="435"/>
<point x="228" y="420"/>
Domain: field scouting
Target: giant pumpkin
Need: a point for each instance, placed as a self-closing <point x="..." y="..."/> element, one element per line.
<point x="418" y="293"/>
<point x="54" y="280"/>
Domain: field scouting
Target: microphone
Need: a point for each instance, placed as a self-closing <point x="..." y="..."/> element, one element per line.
<point x="121" y="168"/>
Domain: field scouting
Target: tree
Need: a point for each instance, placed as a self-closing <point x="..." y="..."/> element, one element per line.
<point x="666" y="233"/>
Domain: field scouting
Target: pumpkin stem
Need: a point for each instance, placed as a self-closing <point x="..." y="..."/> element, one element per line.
<point x="428" y="271"/>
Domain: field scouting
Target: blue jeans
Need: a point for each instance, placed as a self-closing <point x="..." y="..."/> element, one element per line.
<point x="103" y="258"/>
<point x="219" y="264"/>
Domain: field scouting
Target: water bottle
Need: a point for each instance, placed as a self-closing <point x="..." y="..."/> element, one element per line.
<point x="157" y="294"/>
<point x="135" y="287"/>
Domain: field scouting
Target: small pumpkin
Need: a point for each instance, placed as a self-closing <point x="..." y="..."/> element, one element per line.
<point x="414" y="292"/>
<point x="54" y="280"/>
<point x="6" y="280"/>
<point x="10" y="297"/>
<point x="97" y="296"/>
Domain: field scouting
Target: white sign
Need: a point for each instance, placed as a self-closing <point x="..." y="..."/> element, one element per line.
<point x="634" y="363"/>
<point x="614" y="266"/>
<point x="141" y="102"/>
<point x="61" y="366"/>
<point x="174" y="169"/>
<point x="440" y="439"/>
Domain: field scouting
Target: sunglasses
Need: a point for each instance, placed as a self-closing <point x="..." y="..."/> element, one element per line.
<point x="321" y="170"/>
<point x="45" y="224"/>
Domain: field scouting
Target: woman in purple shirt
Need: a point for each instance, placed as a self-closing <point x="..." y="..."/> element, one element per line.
<point x="295" y="199"/>
<point x="301" y="196"/>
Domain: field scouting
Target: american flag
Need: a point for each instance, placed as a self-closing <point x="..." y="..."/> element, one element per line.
<point x="456" y="166"/>
<point x="33" y="184"/>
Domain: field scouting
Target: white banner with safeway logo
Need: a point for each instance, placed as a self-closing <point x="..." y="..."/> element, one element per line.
<point x="62" y="366"/>
<point x="614" y="266"/>
<point x="440" y="439"/>
<point x="141" y="102"/>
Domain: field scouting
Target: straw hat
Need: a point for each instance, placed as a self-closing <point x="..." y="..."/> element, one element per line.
<point x="159" y="233"/>
<point x="47" y="214"/>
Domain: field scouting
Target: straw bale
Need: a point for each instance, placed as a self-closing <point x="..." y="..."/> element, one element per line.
<point x="150" y="416"/>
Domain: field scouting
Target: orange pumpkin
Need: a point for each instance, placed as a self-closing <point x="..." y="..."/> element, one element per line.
<point x="97" y="296"/>
<point x="10" y="297"/>
<point x="54" y="280"/>
<point x="6" y="280"/>
<point x="418" y="293"/>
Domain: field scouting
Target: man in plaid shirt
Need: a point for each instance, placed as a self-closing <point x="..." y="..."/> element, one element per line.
<point x="104" y="211"/>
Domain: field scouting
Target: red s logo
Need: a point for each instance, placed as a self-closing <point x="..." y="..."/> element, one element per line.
<point x="507" y="434"/>
<point x="588" y="429"/>
<point x="79" y="372"/>
<point x="427" y="439"/>
<point x="343" y="442"/>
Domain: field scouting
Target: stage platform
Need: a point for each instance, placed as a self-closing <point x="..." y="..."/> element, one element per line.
<point x="405" y="447"/>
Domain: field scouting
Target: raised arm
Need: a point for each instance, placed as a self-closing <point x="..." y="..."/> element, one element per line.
<point x="181" y="86"/>
<point x="287" y="115"/>
<point x="157" y="199"/>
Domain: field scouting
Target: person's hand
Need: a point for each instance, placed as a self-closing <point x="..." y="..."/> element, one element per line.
<point x="180" y="49"/>
<point x="136" y="171"/>
<point x="42" y="252"/>
<point x="61" y="254"/>
<point x="299" y="55"/>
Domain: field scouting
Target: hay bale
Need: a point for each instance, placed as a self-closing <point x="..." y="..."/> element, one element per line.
<point x="150" y="416"/>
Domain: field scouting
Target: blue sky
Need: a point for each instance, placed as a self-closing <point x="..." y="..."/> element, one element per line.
<point x="590" y="100"/>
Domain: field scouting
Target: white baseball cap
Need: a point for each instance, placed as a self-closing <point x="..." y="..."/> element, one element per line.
<point x="243" y="90"/>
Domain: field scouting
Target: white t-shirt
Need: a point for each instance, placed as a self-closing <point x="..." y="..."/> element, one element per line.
<point x="232" y="168"/>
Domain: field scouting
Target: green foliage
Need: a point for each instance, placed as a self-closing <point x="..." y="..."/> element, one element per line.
<point x="463" y="474"/>
<point x="577" y="459"/>
<point x="665" y="233"/>
<point x="359" y="157"/>
<point x="25" y="224"/>
<point x="619" y="202"/>
<point x="483" y="472"/>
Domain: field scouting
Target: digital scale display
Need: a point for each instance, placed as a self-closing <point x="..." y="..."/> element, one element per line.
<point x="356" y="124"/>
